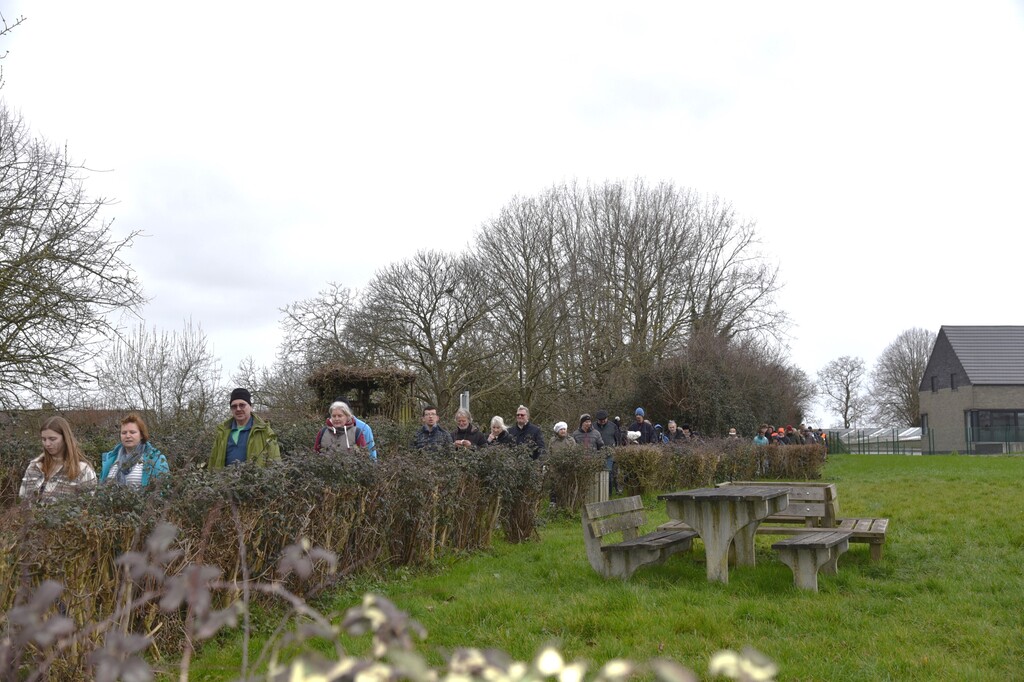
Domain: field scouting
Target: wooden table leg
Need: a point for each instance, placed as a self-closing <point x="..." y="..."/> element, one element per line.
<point x="743" y="542"/>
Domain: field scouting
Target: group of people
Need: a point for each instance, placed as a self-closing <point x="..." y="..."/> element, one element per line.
<point x="467" y="435"/>
<point x="805" y="435"/>
<point x="63" y="467"/>
<point x="594" y="432"/>
<point x="597" y="432"/>
<point x="245" y="437"/>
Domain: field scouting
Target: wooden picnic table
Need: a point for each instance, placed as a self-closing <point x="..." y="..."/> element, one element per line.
<point x="724" y="516"/>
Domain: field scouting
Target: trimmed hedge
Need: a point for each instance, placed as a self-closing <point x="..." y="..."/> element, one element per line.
<point x="655" y="468"/>
<point x="407" y="508"/>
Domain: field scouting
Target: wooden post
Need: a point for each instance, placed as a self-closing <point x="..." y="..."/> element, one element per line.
<point x="598" y="491"/>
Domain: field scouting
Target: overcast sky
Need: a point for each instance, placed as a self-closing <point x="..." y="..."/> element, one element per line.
<point x="266" y="149"/>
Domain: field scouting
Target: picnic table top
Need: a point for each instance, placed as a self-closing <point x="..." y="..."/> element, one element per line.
<point x="734" y="492"/>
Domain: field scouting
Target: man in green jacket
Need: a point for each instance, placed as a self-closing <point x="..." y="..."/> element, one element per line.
<point x="244" y="437"/>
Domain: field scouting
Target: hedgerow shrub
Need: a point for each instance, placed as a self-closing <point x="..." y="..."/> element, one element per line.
<point x="652" y="468"/>
<point x="643" y="468"/>
<point x="570" y="476"/>
<point x="406" y="508"/>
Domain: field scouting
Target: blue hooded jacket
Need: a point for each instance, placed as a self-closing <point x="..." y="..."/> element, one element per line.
<point x="153" y="463"/>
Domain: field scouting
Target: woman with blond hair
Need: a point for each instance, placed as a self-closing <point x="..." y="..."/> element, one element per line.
<point x="61" y="469"/>
<point x="499" y="434"/>
<point x="134" y="461"/>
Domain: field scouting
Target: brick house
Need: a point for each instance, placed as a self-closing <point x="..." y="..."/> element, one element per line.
<point x="972" y="391"/>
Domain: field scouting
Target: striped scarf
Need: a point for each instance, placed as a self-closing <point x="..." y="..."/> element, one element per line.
<point x="126" y="461"/>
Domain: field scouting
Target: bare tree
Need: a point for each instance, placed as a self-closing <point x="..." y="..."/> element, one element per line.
<point x="62" y="272"/>
<point x="428" y="314"/>
<point x="730" y="286"/>
<point x="841" y="381"/>
<point x="523" y="264"/>
<point x="593" y="280"/>
<point x="314" y="329"/>
<point x="897" y="375"/>
<point x="171" y="375"/>
<point x="569" y="293"/>
<point x="645" y="234"/>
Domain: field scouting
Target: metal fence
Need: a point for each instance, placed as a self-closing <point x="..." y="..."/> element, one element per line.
<point x="993" y="440"/>
<point x="915" y="441"/>
<point x="876" y="441"/>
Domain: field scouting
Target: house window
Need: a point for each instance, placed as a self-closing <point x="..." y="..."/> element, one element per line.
<point x="934" y="386"/>
<point x="989" y="426"/>
<point x="952" y="381"/>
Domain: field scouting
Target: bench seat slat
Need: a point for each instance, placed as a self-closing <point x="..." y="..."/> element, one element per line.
<point x="799" y="512"/>
<point x="654" y="540"/>
<point x="823" y="539"/>
<point x="865" y="527"/>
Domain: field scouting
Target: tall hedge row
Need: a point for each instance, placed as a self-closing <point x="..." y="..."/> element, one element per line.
<point x="404" y="509"/>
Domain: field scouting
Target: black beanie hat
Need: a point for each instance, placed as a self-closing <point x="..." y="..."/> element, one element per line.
<point x="241" y="394"/>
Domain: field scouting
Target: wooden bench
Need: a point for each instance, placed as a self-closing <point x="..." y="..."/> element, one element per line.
<point x="626" y="516"/>
<point x="813" y="505"/>
<point x="808" y="552"/>
<point x="871" y="531"/>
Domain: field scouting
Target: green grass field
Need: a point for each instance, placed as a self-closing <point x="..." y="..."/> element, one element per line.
<point x="945" y="603"/>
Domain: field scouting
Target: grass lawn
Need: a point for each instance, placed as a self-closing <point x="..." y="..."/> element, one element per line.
<point x="945" y="603"/>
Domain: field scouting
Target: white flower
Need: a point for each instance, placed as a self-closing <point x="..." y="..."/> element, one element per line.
<point x="725" y="663"/>
<point x="550" y="662"/>
<point x="616" y="669"/>
<point x="517" y="671"/>
<point x="572" y="673"/>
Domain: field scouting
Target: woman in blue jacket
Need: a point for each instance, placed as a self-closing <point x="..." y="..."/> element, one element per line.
<point x="134" y="461"/>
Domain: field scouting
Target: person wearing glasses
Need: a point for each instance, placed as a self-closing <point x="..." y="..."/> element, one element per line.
<point x="525" y="433"/>
<point x="244" y="437"/>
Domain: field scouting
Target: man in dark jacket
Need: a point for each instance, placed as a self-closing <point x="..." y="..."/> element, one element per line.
<point x="609" y="430"/>
<point x="644" y="427"/>
<point x="587" y="436"/>
<point x="431" y="434"/>
<point x="467" y="435"/>
<point x="525" y="433"/>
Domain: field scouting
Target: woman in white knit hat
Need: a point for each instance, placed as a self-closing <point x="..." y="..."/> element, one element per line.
<point x="562" y="438"/>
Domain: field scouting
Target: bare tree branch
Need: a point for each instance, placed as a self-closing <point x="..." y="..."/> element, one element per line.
<point x="841" y="381"/>
<point x="62" y="272"/>
<point x="897" y="375"/>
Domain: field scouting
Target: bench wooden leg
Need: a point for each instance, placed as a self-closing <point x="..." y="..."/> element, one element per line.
<point x="805" y="563"/>
<point x="876" y="551"/>
<point x="624" y="564"/>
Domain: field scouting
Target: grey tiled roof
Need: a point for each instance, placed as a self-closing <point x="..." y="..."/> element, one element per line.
<point x="989" y="355"/>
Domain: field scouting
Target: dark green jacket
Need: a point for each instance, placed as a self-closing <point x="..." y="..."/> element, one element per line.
<point x="262" y="447"/>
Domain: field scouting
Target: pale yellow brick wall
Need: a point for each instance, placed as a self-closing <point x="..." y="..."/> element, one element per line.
<point x="946" y="408"/>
